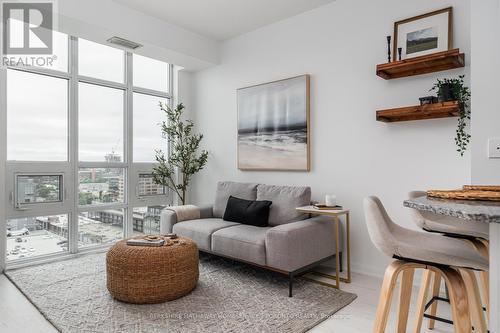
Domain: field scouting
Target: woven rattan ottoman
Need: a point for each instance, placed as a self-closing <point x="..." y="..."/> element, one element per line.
<point x="141" y="274"/>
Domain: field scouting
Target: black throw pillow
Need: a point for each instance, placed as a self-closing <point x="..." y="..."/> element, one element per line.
<point x="247" y="211"/>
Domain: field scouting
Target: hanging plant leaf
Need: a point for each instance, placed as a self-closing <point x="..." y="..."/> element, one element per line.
<point x="455" y="89"/>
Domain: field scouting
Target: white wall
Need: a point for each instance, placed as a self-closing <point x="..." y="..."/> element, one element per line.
<point x="485" y="22"/>
<point x="352" y="154"/>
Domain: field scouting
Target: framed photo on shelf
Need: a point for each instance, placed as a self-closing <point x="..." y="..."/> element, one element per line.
<point x="424" y="34"/>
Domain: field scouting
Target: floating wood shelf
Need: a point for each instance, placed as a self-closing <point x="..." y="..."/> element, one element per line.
<point x="430" y="63"/>
<point x="419" y="112"/>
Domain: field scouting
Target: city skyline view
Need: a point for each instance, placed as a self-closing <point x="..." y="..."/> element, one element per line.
<point x="39" y="131"/>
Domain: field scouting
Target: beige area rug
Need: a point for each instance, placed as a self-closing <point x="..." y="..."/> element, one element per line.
<point x="230" y="297"/>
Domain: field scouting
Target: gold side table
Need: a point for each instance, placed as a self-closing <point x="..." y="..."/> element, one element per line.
<point x="335" y="214"/>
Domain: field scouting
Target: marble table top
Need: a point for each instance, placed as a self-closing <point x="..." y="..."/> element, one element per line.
<point x="483" y="211"/>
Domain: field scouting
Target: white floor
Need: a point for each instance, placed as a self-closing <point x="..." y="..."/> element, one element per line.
<point x="18" y="315"/>
<point x="358" y="317"/>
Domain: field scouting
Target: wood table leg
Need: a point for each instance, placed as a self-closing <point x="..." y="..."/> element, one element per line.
<point x="405" y="299"/>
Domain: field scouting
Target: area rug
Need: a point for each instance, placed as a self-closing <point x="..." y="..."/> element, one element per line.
<point x="230" y="297"/>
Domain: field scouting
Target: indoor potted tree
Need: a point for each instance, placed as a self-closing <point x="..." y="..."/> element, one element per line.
<point x="184" y="159"/>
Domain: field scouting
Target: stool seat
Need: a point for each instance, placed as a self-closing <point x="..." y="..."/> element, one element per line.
<point x="447" y="224"/>
<point x="437" y="249"/>
<point x="394" y="240"/>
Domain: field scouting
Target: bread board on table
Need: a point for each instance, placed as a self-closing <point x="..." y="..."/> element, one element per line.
<point x="495" y="188"/>
<point x="465" y="195"/>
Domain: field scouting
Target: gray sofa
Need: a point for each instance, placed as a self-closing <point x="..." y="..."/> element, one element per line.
<point x="292" y="243"/>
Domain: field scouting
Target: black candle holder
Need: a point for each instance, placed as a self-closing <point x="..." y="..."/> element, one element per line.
<point x="400" y="49"/>
<point x="388" y="48"/>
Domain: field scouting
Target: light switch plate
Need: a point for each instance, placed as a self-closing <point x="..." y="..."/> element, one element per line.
<point x="494" y="148"/>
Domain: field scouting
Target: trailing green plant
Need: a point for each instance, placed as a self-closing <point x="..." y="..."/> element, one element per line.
<point x="183" y="159"/>
<point x="461" y="93"/>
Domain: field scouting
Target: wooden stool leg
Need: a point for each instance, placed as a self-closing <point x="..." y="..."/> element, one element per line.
<point x="458" y="300"/>
<point x="421" y="300"/>
<point x="405" y="299"/>
<point x="384" y="304"/>
<point x="475" y="305"/>
<point x="485" y="285"/>
<point x="482" y="246"/>
<point x="436" y="286"/>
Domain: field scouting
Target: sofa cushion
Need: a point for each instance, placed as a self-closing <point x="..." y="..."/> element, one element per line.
<point x="250" y="212"/>
<point x="246" y="191"/>
<point x="285" y="199"/>
<point x="244" y="242"/>
<point x="201" y="230"/>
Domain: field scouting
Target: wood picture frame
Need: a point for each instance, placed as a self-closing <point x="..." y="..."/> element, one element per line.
<point x="449" y="40"/>
<point x="253" y="151"/>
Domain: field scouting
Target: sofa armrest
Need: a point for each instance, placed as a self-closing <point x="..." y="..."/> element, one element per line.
<point x="168" y="218"/>
<point x="294" y="245"/>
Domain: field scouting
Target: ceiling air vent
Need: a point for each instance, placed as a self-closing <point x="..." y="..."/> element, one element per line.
<point x="124" y="42"/>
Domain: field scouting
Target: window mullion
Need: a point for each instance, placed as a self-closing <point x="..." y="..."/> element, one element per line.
<point x="3" y="157"/>
<point x="73" y="144"/>
<point x="150" y="92"/>
<point x="129" y="137"/>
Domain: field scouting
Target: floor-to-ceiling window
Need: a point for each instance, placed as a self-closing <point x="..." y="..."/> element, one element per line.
<point x="81" y="140"/>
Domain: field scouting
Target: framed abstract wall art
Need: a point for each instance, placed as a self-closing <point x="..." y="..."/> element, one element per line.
<point x="273" y="125"/>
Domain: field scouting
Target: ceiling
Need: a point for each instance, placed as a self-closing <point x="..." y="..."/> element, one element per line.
<point x="222" y="19"/>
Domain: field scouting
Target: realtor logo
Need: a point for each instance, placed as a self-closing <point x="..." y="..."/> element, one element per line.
<point x="27" y="27"/>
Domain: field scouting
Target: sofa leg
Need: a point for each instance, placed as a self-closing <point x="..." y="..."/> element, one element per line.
<point x="290" y="284"/>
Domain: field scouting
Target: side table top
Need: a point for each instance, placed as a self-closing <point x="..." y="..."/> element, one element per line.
<point x="315" y="211"/>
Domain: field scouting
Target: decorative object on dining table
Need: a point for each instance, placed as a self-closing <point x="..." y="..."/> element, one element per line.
<point x="424" y="34"/>
<point x="455" y="89"/>
<point x="465" y="195"/>
<point x="320" y="206"/>
<point x="495" y="188"/>
<point x="273" y="125"/>
<point x="400" y="49"/>
<point x="388" y="48"/>
<point x="428" y="100"/>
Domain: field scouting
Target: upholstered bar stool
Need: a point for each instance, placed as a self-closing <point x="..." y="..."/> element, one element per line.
<point x="475" y="234"/>
<point x="432" y="253"/>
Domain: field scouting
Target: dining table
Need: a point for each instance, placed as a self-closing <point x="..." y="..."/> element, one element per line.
<point x="473" y="212"/>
